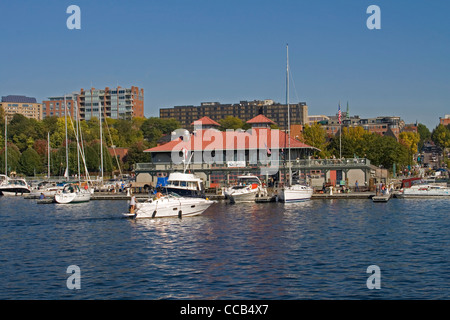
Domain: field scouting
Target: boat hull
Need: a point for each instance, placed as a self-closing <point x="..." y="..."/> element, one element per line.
<point x="74" y="197"/>
<point x="14" y="191"/>
<point x="295" y="194"/>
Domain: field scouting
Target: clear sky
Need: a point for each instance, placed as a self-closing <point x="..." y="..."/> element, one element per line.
<point x="191" y="51"/>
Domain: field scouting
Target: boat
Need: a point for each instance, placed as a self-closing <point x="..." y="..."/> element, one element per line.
<point x="292" y="192"/>
<point x="424" y="190"/>
<point x="73" y="193"/>
<point x="295" y="193"/>
<point x="248" y="188"/>
<point x="13" y="186"/>
<point x="47" y="188"/>
<point x="185" y="185"/>
<point x="170" y="205"/>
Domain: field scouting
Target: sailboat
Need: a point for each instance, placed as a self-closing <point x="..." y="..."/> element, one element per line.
<point x="9" y="185"/>
<point x="292" y="192"/>
<point x="74" y="192"/>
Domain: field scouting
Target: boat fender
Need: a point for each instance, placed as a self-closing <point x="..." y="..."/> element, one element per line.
<point x="154" y="214"/>
<point x="179" y="214"/>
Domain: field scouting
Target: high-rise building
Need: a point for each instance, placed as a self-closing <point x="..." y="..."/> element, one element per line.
<point x="244" y="110"/>
<point x="23" y="105"/>
<point x="116" y="103"/>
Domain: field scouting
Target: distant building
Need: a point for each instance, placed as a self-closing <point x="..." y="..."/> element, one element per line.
<point x="445" y="120"/>
<point x="380" y="125"/>
<point x="244" y="110"/>
<point x="26" y="106"/>
<point x="116" y="103"/>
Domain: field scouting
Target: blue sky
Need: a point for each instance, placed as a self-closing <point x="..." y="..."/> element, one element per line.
<point x="191" y="51"/>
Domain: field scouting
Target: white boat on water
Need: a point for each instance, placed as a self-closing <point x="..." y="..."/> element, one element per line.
<point x="171" y="205"/>
<point x="247" y="189"/>
<point x="13" y="186"/>
<point x="424" y="190"/>
<point x="48" y="189"/>
<point x="72" y="193"/>
<point x="295" y="193"/>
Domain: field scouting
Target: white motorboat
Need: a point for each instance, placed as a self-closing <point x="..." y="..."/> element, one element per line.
<point x="424" y="190"/>
<point x="247" y="189"/>
<point x="72" y="193"/>
<point x="13" y="186"/>
<point x="185" y="185"/>
<point x="171" y="205"/>
<point x="295" y="193"/>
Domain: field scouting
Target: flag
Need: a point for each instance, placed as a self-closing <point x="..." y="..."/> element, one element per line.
<point x="339" y="113"/>
<point x="185" y="154"/>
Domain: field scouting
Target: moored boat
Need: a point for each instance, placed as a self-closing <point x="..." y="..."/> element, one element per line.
<point x="424" y="190"/>
<point x="185" y="185"/>
<point x="248" y="187"/>
<point x="13" y="186"/>
<point x="72" y="193"/>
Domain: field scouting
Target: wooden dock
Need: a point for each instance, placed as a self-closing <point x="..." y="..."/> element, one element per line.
<point x="382" y="198"/>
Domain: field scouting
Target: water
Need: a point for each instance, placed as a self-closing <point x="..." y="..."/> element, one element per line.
<point x="314" y="250"/>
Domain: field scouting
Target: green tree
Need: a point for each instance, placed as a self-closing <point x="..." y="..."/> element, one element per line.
<point x="30" y="162"/>
<point x="315" y="136"/>
<point x="230" y="122"/>
<point x="13" y="158"/>
<point x="424" y="134"/>
<point x="441" y="136"/>
<point x="136" y="154"/>
<point x="154" y="128"/>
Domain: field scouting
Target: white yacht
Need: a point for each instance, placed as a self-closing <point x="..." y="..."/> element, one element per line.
<point x="13" y="186"/>
<point x="248" y="187"/>
<point x="424" y="190"/>
<point x="72" y="193"/>
<point x="47" y="188"/>
<point x="171" y="205"/>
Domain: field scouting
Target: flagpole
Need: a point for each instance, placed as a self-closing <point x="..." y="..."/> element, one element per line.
<point x="340" y="132"/>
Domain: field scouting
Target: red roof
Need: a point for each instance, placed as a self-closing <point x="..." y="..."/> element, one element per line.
<point x="256" y="138"/>
<point x="260" y="119"/>
<point x="206" y="121"/>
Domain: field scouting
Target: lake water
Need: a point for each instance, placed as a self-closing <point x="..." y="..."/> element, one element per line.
<point x="319" y="249"/>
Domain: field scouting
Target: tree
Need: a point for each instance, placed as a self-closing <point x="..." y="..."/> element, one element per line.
<point x="316" y="136"/>
<point x="154" y="128"/>
<point x="30" y="162"/>
<point x="441" y="136"/>
<point x="424" y="134"/>
<point x="136" y="154"/>
<point x="13" y="158"/>
<point x="231" y="122"/>
<point x="410" y="140"/>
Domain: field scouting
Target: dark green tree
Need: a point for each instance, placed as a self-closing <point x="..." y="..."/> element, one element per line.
<point x="30" y="163"/>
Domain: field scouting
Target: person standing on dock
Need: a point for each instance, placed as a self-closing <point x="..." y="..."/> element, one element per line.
<point x="132" y="203"/>
<point x="356" y="186"/>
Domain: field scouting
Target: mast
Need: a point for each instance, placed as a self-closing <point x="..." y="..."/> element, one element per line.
<point x="289" y="116"/>
<point x="48" y="151"/>
<point x="6" y="145"/>
<point x="67" y="142"/>
<point x="77" y="120"/>
<point x="101" y="140"/>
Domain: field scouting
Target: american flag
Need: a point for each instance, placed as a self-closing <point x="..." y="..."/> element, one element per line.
<point x="339" y="113"/>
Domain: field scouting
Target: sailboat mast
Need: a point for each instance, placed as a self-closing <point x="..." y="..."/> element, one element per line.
<point x="289" y="115"/>
<point x="101" y="140"/>
<point x="48" y="155"/>
<point x="77" y="120"/>
<point x="67" y="141"/>
<point x="6" y="145"/>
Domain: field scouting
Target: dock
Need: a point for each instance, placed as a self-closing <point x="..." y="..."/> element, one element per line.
<point x="351" y="195"/>
<point x="382" y="198"/>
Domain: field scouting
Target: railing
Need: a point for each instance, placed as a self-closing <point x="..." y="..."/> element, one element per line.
<point x="304" y="163"/>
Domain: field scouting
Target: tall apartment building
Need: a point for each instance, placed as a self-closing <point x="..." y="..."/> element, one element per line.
<point x="244" y="110"/>
<point x="116" y="103"/>
<point x="23" y="105"/>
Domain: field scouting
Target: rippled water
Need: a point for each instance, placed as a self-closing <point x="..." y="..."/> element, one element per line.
<point x="314" y="250"/>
